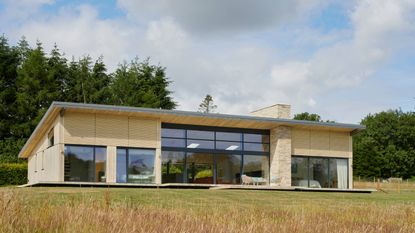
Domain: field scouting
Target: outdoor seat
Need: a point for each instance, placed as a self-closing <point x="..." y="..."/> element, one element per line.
<point x="252" y="180"/>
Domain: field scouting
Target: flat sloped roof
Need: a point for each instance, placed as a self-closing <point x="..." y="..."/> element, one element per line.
<point x="179" y="117"/>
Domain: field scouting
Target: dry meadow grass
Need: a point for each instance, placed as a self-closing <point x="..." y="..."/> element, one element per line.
<point x="170" y="210"/>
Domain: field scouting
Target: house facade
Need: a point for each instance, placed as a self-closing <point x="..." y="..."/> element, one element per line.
<point x="114" y="144"/>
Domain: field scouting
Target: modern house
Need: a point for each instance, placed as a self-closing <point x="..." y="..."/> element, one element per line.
<point x="114" y="144"/>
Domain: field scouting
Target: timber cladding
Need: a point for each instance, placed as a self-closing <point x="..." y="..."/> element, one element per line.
<point x="110" y="130"/>
<point x="321" y="143"/>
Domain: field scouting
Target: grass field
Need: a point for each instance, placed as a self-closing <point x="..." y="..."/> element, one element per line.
<point x="173" y="210"/>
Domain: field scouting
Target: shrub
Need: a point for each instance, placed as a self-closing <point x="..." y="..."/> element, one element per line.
<point x="13" y="173"/>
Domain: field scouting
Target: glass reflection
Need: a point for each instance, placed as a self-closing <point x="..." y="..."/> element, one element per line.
<point x="256" y="166"/>
<point x="140" y="166"/>
<point x="199" y="167"/>
<point x="228" y="169"/>
<point x="172" y="166"/>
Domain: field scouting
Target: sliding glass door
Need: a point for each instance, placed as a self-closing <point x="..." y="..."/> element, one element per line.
<point x="228" y="168"/>
<point x="199" y="167"/>
<point x="318" y="172"/>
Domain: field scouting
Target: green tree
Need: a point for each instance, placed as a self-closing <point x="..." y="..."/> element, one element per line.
<point x="34" y="93"/>
<point x="141" y="84"/>
<point x="9" y="61"/>
<point x="207" y="105"/>
<point x="31" y="80"/>
<point x="387" y="147"/>
<point x="307" y="116"/>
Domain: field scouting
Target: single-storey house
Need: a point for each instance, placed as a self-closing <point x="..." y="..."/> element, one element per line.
<point x="93" y="143"/>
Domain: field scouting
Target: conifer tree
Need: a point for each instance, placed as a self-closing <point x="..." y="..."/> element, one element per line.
<point x="207" y="105"/>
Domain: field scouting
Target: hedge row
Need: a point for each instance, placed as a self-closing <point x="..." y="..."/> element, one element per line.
<point x="13" y="173"/>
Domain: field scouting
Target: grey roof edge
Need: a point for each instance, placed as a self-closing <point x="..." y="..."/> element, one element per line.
<point x="199" y="114"/>
<point x="50" y="109"/>
<point x="58" y="104"/>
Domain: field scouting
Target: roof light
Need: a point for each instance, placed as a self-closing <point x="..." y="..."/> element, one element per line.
<point x="233" y="147"/>
<point x="193" y="145"/>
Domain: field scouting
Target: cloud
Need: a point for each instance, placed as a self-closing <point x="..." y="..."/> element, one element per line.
<point x="217" y="16"/>
<point x="379" y="29"/>
<point x="261" y="54"/>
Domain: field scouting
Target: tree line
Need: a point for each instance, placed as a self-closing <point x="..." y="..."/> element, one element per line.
<point x="31" y="79"/>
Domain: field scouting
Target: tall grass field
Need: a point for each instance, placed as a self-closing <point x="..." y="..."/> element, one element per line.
<point x="68" y="209"/>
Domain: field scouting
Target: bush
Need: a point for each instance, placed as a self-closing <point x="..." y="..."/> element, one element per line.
<point x="13" y="173"/>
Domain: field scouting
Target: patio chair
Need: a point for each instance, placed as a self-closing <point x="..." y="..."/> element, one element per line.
<point x="246" y="180"/>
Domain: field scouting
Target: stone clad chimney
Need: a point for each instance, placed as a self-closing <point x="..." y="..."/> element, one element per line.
<point x="274" y="111"/>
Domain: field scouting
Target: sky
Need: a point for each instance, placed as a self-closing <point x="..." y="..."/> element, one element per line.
<point x="339" y="59"/>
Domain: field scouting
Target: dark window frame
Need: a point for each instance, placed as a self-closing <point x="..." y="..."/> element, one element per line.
<point x="328" y="166"/>
<point x="127" y="159"/>
<point x="94" y="161"/>
<point x="214" y="129"/>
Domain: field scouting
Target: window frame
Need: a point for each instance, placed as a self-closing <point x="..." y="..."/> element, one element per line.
<point x="94" y="161"/>
<point x="127" y="159"/>
<point x="308" y="157"/>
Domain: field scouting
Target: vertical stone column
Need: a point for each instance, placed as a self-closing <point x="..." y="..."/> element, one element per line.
<point x="280" y="156"/>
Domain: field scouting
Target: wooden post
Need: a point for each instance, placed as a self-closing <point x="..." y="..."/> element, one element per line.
<point x="378" y="184"/>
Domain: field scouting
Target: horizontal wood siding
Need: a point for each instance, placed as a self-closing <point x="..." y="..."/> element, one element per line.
<point x="143" y="133"/>
<point x="111" y="130"/>
<point x="300" y="142"/>
<point x="79" y="128"/>
<point x="321" y="143"/>
<point x="339" y="144"/>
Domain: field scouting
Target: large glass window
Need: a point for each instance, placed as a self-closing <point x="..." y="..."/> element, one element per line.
<point x="200" y="134"/>
<point x="258" y="138"/>
<point x="173" y="166"/>
<point x="338" y="173"/>
<point x="203" y="138"/>
<point x="213" y="155"/>
<point x="319" y="173"/>
<point x="256" y="166"/>
<point x="200" y="144"/>
<point x="222" y="145"/>
<point x="85" y="163"/>
<point x="173" y="133"/>
<point x="316" y="172"/>
<point x="199" y="168"/>
<point x="228" y="169"/>
<point x="299" y="171"/>
<point x="136" y="165"/>
<point x="227" y="136"/>
<point x="256" y="147"/>
<point x="121" y="166"/>
<point x="173" y="142"/>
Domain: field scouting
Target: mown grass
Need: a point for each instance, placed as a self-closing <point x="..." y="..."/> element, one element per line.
<point x="175" y="210"/>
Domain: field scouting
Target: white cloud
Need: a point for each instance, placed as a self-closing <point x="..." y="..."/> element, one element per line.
<point x="216" y="16"/>
<point x="243" y="71"/>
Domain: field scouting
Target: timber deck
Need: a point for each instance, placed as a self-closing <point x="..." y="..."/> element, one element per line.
<point x="195" y="186"/>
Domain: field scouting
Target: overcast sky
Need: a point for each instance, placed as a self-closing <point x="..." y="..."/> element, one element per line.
<point x="340" y="59"/>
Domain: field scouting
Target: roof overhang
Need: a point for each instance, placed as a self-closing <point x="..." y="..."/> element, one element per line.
<point x="177" y="117"/>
